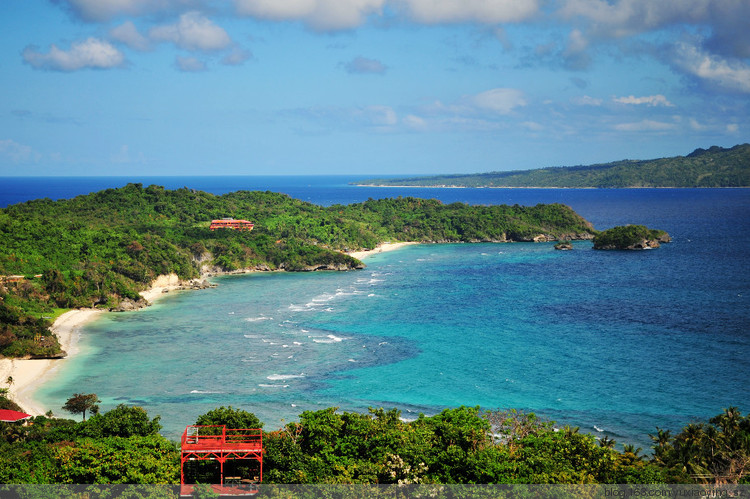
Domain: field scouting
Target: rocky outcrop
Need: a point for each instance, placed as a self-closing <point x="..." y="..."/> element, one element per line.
<point x="334" y="266"/>
<point x="127" y="305"/>
<point x="630" y="237"/>
<point x="564" y="246"/>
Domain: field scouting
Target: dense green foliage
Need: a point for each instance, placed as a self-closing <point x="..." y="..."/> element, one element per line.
<point x="462" y="445"/>
<point x="455" y="446"/>
<point x="102" y="248"/>
<point x="629" y="237"/>
<point x="713" y="167"/>
<point x="121" y="446"/>
<point x="719" y="450"/>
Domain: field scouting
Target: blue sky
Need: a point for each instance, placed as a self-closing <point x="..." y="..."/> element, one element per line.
<point x="171" y="87"/>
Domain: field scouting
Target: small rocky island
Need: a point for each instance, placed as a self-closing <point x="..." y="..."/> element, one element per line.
<point x="630" y="237"/>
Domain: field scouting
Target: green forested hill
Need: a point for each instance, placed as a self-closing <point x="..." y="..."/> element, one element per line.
<point x="101" y="248"/>
<point x="713" y="167"/>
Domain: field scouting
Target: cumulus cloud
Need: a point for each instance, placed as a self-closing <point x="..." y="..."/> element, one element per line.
<point x="322" y="15"/>
<point x="480" y="11"/>
<point x="193" y="31"/>
<point x="711" y="69"/>
<point x="499" y="100"/>
<point x="90" y="53"/>
<point x="327" y="15"/>
<point x="651" y="100"/>
<point x="128" y="34"/>
<point x="632" y="16"/>
<point x="363" y="65"/>
<point x="104" y="10"/>
<point x="726" y="19"/>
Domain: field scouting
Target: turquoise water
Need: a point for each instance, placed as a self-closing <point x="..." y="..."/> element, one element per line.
<point x="615" y="342"/>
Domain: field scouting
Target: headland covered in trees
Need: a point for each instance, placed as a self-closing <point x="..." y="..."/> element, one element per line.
<point x="712" y="167"/>
<point x="102" y="249"/>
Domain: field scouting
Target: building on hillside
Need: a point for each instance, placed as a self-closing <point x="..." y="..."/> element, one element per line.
<point x="232" y="224"/>
<point x="9" y="416"/>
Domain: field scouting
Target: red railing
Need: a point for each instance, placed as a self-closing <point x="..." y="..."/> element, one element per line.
<point x="197" y="437"/>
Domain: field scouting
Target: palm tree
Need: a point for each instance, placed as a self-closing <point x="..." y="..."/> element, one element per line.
<point x="631" y="449"/>
<point x="607" y="442"/>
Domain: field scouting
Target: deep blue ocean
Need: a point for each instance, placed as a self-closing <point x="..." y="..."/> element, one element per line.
<point x="617" y="343"/>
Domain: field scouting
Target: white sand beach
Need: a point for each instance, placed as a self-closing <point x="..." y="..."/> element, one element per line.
<point x="29" y="374"/>
<point x="381" y="248"/>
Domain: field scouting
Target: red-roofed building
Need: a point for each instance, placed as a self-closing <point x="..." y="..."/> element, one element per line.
<point x="232" y="224"/>
<point x="8" y="416"/>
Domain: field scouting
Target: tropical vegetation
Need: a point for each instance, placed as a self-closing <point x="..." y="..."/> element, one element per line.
<point x="101" y="249"/>
<point x="712" y="167"/>
<point x="630" y="237"/>
<point x="461" y="445"/>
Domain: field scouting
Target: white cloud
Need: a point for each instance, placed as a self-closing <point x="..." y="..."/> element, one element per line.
<point x="90" y="53"/>
<point x="193" y="31"/>
<point x="331" y="15"/>
<point x="103" y="10"/>
<point x="363" y="65"/>
<point x="128" y="34"/>
<point x="480" y="11"/>
<point x="499" y="100"/>
<point x="627" y="17"/>
<point x="725" y="19"/>
<point x="322" y="15"/>
<point x="587" y="101"/>
<point x="651" y="100"/>
<point x="733" y="128"/>
<point x="712" y="69"/>
<point x="644" y="126"/>
<point x="17" y="153"/>
<point x="190" y="64"/>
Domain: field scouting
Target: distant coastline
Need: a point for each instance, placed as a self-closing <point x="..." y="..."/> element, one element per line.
<point x="415" y="186"/>
<point x="715" y="167"/>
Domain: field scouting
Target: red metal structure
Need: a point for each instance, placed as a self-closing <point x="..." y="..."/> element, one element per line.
<point x="232" y="224"/>
<point x="218" y="443"/>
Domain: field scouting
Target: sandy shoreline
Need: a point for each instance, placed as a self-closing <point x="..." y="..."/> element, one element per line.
<point x="29" y="374"/>
<point x="381" y="248"/>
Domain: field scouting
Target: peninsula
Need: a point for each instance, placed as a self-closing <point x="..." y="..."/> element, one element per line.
<point x="712" y="167"/>
<point x="102" y="250"/>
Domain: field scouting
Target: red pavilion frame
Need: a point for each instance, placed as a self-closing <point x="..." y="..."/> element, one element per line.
<point x="218" y="443"/>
